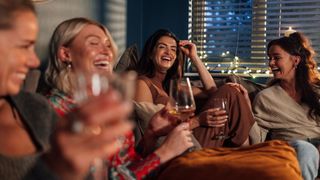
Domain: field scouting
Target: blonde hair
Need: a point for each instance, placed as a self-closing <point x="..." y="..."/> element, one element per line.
<point x="58" y="75"/>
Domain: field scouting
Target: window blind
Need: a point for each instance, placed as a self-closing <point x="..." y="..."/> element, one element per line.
<point x="231" y="34"/>
<point x="115" y="17"/>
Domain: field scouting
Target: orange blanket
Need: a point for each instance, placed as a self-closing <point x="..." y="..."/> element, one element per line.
<point x="266" y="161"/>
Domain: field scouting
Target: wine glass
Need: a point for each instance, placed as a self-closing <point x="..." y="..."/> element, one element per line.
<point x="90" y="84"/>
<point x="182" y="104"/>
<point x="221" y="103"/>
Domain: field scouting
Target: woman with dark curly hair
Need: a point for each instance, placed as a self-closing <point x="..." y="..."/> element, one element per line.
<point x="289" y="108"/>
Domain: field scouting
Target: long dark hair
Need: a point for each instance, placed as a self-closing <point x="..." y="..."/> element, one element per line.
<point x="306" y="75"/>
<point x="146" y="66"/>
<point x="9" y="7"/>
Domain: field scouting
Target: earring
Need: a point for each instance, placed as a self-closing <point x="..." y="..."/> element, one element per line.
<point x="69" y="64"/>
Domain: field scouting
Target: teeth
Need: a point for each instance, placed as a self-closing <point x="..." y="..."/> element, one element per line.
<point x="102" y="63"/>
<point x="21" y="76"/>
<point x="166" y="58"/>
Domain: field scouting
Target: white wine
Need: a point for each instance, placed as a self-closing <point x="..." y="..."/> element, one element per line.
<point x="182" y="113"/>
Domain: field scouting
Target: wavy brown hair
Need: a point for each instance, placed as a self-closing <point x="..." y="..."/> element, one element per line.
<point x="8" y="8"/>
<point x="307" y="75"/>
<point x="146" y="66"/>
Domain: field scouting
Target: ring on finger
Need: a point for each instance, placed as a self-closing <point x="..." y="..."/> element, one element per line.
<point x="77" y="126"/>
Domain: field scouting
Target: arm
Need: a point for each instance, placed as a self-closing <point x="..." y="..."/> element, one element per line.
<point x="143" y="93"/>
<point x="160" y="124"/>
<point x="128" y="164"/>
<point x="257" y="132"/>
<point x="76" y="151"/>
<point x="190" y="50"/>
<point x="135" y="167"/>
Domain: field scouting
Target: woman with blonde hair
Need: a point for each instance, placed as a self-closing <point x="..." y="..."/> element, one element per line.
<point x="34" y="142"/>
<point x="85" y="45"/>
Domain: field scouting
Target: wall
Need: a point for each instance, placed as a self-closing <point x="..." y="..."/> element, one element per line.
<point x="111" y="13"/>
<point x="129" y="21"/>
<point x="51" y="13"/>
<point x="146" y="16"/>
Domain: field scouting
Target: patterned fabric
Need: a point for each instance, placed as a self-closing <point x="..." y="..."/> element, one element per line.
<point x="60" y="101"/>
<point x="126" y="164"/>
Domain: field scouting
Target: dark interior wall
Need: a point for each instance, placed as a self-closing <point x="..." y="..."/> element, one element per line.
<point x="146" y="16"/>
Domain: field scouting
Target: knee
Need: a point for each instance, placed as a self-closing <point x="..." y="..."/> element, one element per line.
<point x="225" y="90"/>
<point x="308" y="157"/>
<point x="305" y="150"/>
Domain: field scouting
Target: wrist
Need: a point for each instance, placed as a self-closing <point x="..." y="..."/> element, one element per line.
<point x="195" y="58"/>
<point x="194" y="122"/>
<point x="164" y="154"/>
<point x="150" y="135"/>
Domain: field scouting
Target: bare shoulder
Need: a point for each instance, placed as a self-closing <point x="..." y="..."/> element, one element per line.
<point x="143" y="92"/>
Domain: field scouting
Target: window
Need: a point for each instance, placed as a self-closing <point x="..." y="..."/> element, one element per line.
<point x="232" y="35"/>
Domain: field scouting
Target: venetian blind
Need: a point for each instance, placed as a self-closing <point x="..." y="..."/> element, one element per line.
<point x="115" y="17"/>
<point x="239" y="30"/>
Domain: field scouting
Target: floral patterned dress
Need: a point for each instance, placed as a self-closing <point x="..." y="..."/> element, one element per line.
<point x="126" y="164"/>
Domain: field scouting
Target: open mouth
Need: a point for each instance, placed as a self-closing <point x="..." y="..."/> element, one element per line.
<point x="21" y="76"/>
<point x="274" y="70"/>
<point x="102" y="64"/>
<point x="166" y="58"/>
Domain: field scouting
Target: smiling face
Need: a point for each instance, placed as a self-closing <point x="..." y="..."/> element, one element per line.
<point x="91" y="50"/>
<point x="282" y="63"/>
<point x="17" y="53"/>
<point x="165" y="53"/>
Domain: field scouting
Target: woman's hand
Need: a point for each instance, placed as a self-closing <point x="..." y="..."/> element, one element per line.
<point x="189" y="49"/>
<point x="177" y="142"/>
<point x="104" y="120"/>
<point x="242" y="90"/>
<point x="213" y="117"/>
<point x="162" y="123"/>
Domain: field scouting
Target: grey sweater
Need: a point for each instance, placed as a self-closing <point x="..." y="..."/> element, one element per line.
<point x="39" y="119"/>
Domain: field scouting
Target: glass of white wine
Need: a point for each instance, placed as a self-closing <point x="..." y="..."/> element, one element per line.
<point x="90" y="84"/>
<point x="220" y="103"/>
<point x="182" y="104"/>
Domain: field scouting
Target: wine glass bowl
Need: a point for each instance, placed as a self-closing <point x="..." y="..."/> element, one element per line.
<point x="221" y="104"/>
<point x="89" y="85"/>
<point x="93" y="84"/>
<point x="182" y="104"/>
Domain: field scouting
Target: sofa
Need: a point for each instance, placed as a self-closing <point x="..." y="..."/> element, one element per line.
<point x="271" y="160"/>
